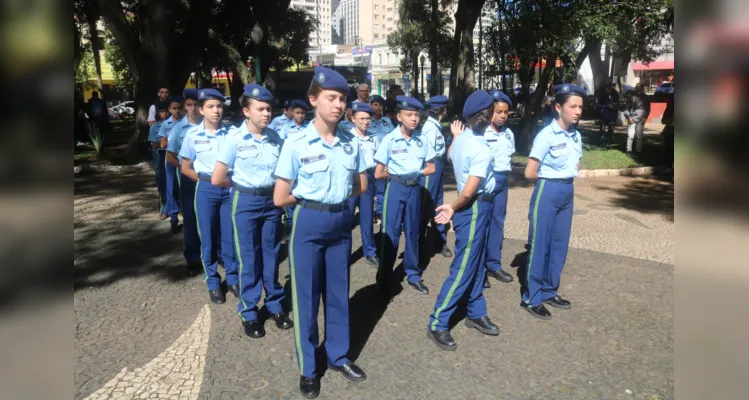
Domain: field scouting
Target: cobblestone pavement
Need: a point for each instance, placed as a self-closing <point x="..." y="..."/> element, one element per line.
<point x="144" y="330"/>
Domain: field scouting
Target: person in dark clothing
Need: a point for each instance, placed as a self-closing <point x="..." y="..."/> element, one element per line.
<point x="96" y="109"/>
<point x="668" y="129"/>
<point x="607" y="105"/>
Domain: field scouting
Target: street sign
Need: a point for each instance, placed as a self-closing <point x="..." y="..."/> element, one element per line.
<point x="444" y="77"/>
<point x="406" y="77"/>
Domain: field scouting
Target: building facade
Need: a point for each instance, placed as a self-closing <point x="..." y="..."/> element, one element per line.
<point x="321" y="11"/>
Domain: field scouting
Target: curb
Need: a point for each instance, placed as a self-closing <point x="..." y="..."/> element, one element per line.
<point x="140" y="167"/>
<point x="598" y="173"/>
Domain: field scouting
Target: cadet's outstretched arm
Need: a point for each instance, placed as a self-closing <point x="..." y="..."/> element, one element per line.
<point x="446" y="211"/>
<point x="531" y="169"/>
<point x="171" y="158"/>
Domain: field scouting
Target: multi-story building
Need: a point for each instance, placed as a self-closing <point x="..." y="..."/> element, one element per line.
<point x="322" y="12"/>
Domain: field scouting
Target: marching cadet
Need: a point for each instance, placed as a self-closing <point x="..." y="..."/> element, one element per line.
<point x="251" y="153"/>
<point x="299" y="113"/>
<point x="162" y="113"/>
<point x="319" y="170"/>
<point x="200" y="150"/>
<point x="437" y="109"/>
<point x="346" y="123"/>
<point x="187" y="186"/>
<point x="381" y="125"/>
<point x="403" y="157"/>
<point x="172" y="207"/>
<point x="502" y="144"/>
<point x="285" y="118"/>
<point x="554" y="162"/>
<point x="362" y="116"/>
<point x="470" y="212"/>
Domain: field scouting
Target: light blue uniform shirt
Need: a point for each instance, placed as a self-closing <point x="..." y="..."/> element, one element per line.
<point x="503" y="145"/>
<point x="471" y="156"/>
<point x="203" y="148"/>
<point x="321" y="172"/>
<point x="166" y="127"/>
<point x="367" y="146"/>
<point x="153" y="132"/>
<point x="404" y="157"/>
<point x="346" y="125"/>
<point x="433" y="132"/>
<point x="177" y="136"/>
<point x="381" y="127"/>
<point x="252" y="161"/>
<point x="558" y="151"/>
<point x="277" y="123"/>
<point x="291" y="129"/>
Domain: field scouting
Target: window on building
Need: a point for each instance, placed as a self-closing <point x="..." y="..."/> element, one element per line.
<point x="376" y="35"/>
<point x="395" y="56"/>
<point x="388" y="57"/>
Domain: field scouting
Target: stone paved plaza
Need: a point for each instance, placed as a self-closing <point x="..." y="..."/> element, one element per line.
<point x="144" y="330"/>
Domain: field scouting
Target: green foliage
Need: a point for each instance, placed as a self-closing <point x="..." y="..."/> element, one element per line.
<point x="97" y="138"/>
<point x="123" y="79"/>
<point x="417" y="28"/>
<point x="85" y="71"/>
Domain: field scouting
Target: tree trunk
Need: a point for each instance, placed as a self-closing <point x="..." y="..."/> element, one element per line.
<point x="597" y="66"/>
<point x="462" y="76"/>
<point x="92" y="17"/>
<point x="433" y="54"/>
<point x="534" y="105"/>
<point x="621" y="63"/>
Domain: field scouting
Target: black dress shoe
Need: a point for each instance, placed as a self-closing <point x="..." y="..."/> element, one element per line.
<point x="538" y="311"/>
<point x="253" y="329"/>
<point x="420" y="287"/>
<point x="500" y="275"/>
<point x="217" y="296"/>
<point x="310" y="387"/>
<point x="175" y="228"/>
<point x="483" y="325"/>
<point x="350" y="371"/>
<point x="487" y="285"/>
<point x="442" y="339"/>
<point x="234" y="289"/>
<point x="558" y="302"/>
<point x="194" y="269"/>
<point x="445" y="252"/>
<point x="282" y="321"/>
<point x="373" y="261"/>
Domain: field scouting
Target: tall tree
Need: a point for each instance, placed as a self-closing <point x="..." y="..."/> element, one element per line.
<point x="462" y="71"/>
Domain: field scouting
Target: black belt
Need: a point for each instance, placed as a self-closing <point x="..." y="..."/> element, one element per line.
<point x="405" y="181"/>
<point x="485" y="197"/>
<point x="313" y="205"/>
<point x="502" y="173"/>
<point x="204" y="177"/>
<point x="560" y="180"/>
<point x="264" y="192"/>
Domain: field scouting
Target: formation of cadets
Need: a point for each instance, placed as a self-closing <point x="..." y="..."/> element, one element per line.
<point x="233" y="186"/>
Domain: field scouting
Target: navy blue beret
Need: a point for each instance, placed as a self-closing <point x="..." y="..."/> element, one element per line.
<point x="300" y="104"/>
<point x="377" y="99"/>
<point x="408" y="103"/>
<point x="362" y="107"/>
<point x="162" y="105"/>
<point x="499" y="95"/>
<point x="288" y="103"/>
<point x="177" y="99"/>
<point x="437" y="102"/>
<point x="207" y="94"/>
<point x="257" y="92"/>
<point x="331" y="80"/>
<point x="569" y="88"/>
<point x="190" y="93"/>
<point x="476" y="102"/>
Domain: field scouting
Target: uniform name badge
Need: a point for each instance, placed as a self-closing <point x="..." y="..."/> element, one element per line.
<point x="309" y="160"/>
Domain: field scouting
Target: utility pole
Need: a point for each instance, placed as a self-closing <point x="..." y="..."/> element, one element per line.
<point x="481" y="50"/>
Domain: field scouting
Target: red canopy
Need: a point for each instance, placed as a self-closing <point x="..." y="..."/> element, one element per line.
<point x="668" y="64"/>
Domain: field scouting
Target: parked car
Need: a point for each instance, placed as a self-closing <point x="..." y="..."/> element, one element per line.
<point x="665" y="87"/>
<point x="124" y="110"/>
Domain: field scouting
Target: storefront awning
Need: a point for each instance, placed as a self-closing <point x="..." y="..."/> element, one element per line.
<point x="668" y="64"/>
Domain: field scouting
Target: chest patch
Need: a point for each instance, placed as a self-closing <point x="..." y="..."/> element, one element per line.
<point x="400" y="151"/>
<point x="559" y="146"/>
<point x="202" y="142"/>
<point x="311" y="159"/>
<point x="246" y="147"/>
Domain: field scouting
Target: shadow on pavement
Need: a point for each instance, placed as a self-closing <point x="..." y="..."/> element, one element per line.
<point x="647" y="195"/>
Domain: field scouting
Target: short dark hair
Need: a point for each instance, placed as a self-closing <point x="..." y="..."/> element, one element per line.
<point x="435" y="112"/>
<point x="314" y="89"/>
<point x="482" y="117"/>
<point x="561" y="98"/>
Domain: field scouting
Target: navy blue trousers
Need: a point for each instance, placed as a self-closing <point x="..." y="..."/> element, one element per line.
<point x="366" y="216"/>
<point x="171" y="207"/>
<point x="496" y="231"/>
<point x="467" y="274"/>
<point x="550" y="216"/>
<point x="159" y="161"/>
<point x="402" y="208"/>
<point x="319" y="253"/>
<point x="189" y="221"/>
<point x="213" y="213"/>
<point x="257" y="239"/>
<point x="433" y="184"/>
<point x="380" y="185"/>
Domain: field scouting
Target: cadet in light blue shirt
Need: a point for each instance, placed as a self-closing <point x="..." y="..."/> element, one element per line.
<point x="502" y="143"/>
<point x="286" y="118"/>
<point x="299" y="109"/>
<point x="432" y="130"/>
<point x="252" y="154"/>
<point x="172" y="205"/>
<point x="403" y="157"/>
<point x="470" y="213"/>
<point x="362" y="116"/>
<point x="554" y="162"/>
<point x="162" y="112"/>
<point x="318" y="170"/>
<point x="200" y="150"/>
<point x="191" y="119"/>
<point x="381" y="126"/>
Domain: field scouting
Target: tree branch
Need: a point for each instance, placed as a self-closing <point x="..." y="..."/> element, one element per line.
<point x="111" y="12"/>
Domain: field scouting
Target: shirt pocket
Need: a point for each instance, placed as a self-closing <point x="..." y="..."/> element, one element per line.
<point x="203" y="147"/>
<point x="247" y="152"/>
<point x="559" y="150"/>
<point x="314" y="164"/>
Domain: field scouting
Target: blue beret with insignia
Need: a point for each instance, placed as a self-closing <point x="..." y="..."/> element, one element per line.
<point x="162" y="105"/>
<point x="257" y="92"/>
<point x="208" y="94"/>
<point x="408" y="103"/>
<point x="377" y="99"/>
<point x="190" y="93"/>
<point x="331" y="80"/>
<point x="478" y="101"/>
<point x="499" y="95"/>
<point x="288" y="103"/>
<point x="569" y="88"/>
<point x="437" y="102"/>
<point x="299" y="104"/>
<point x="362" y="107"/>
